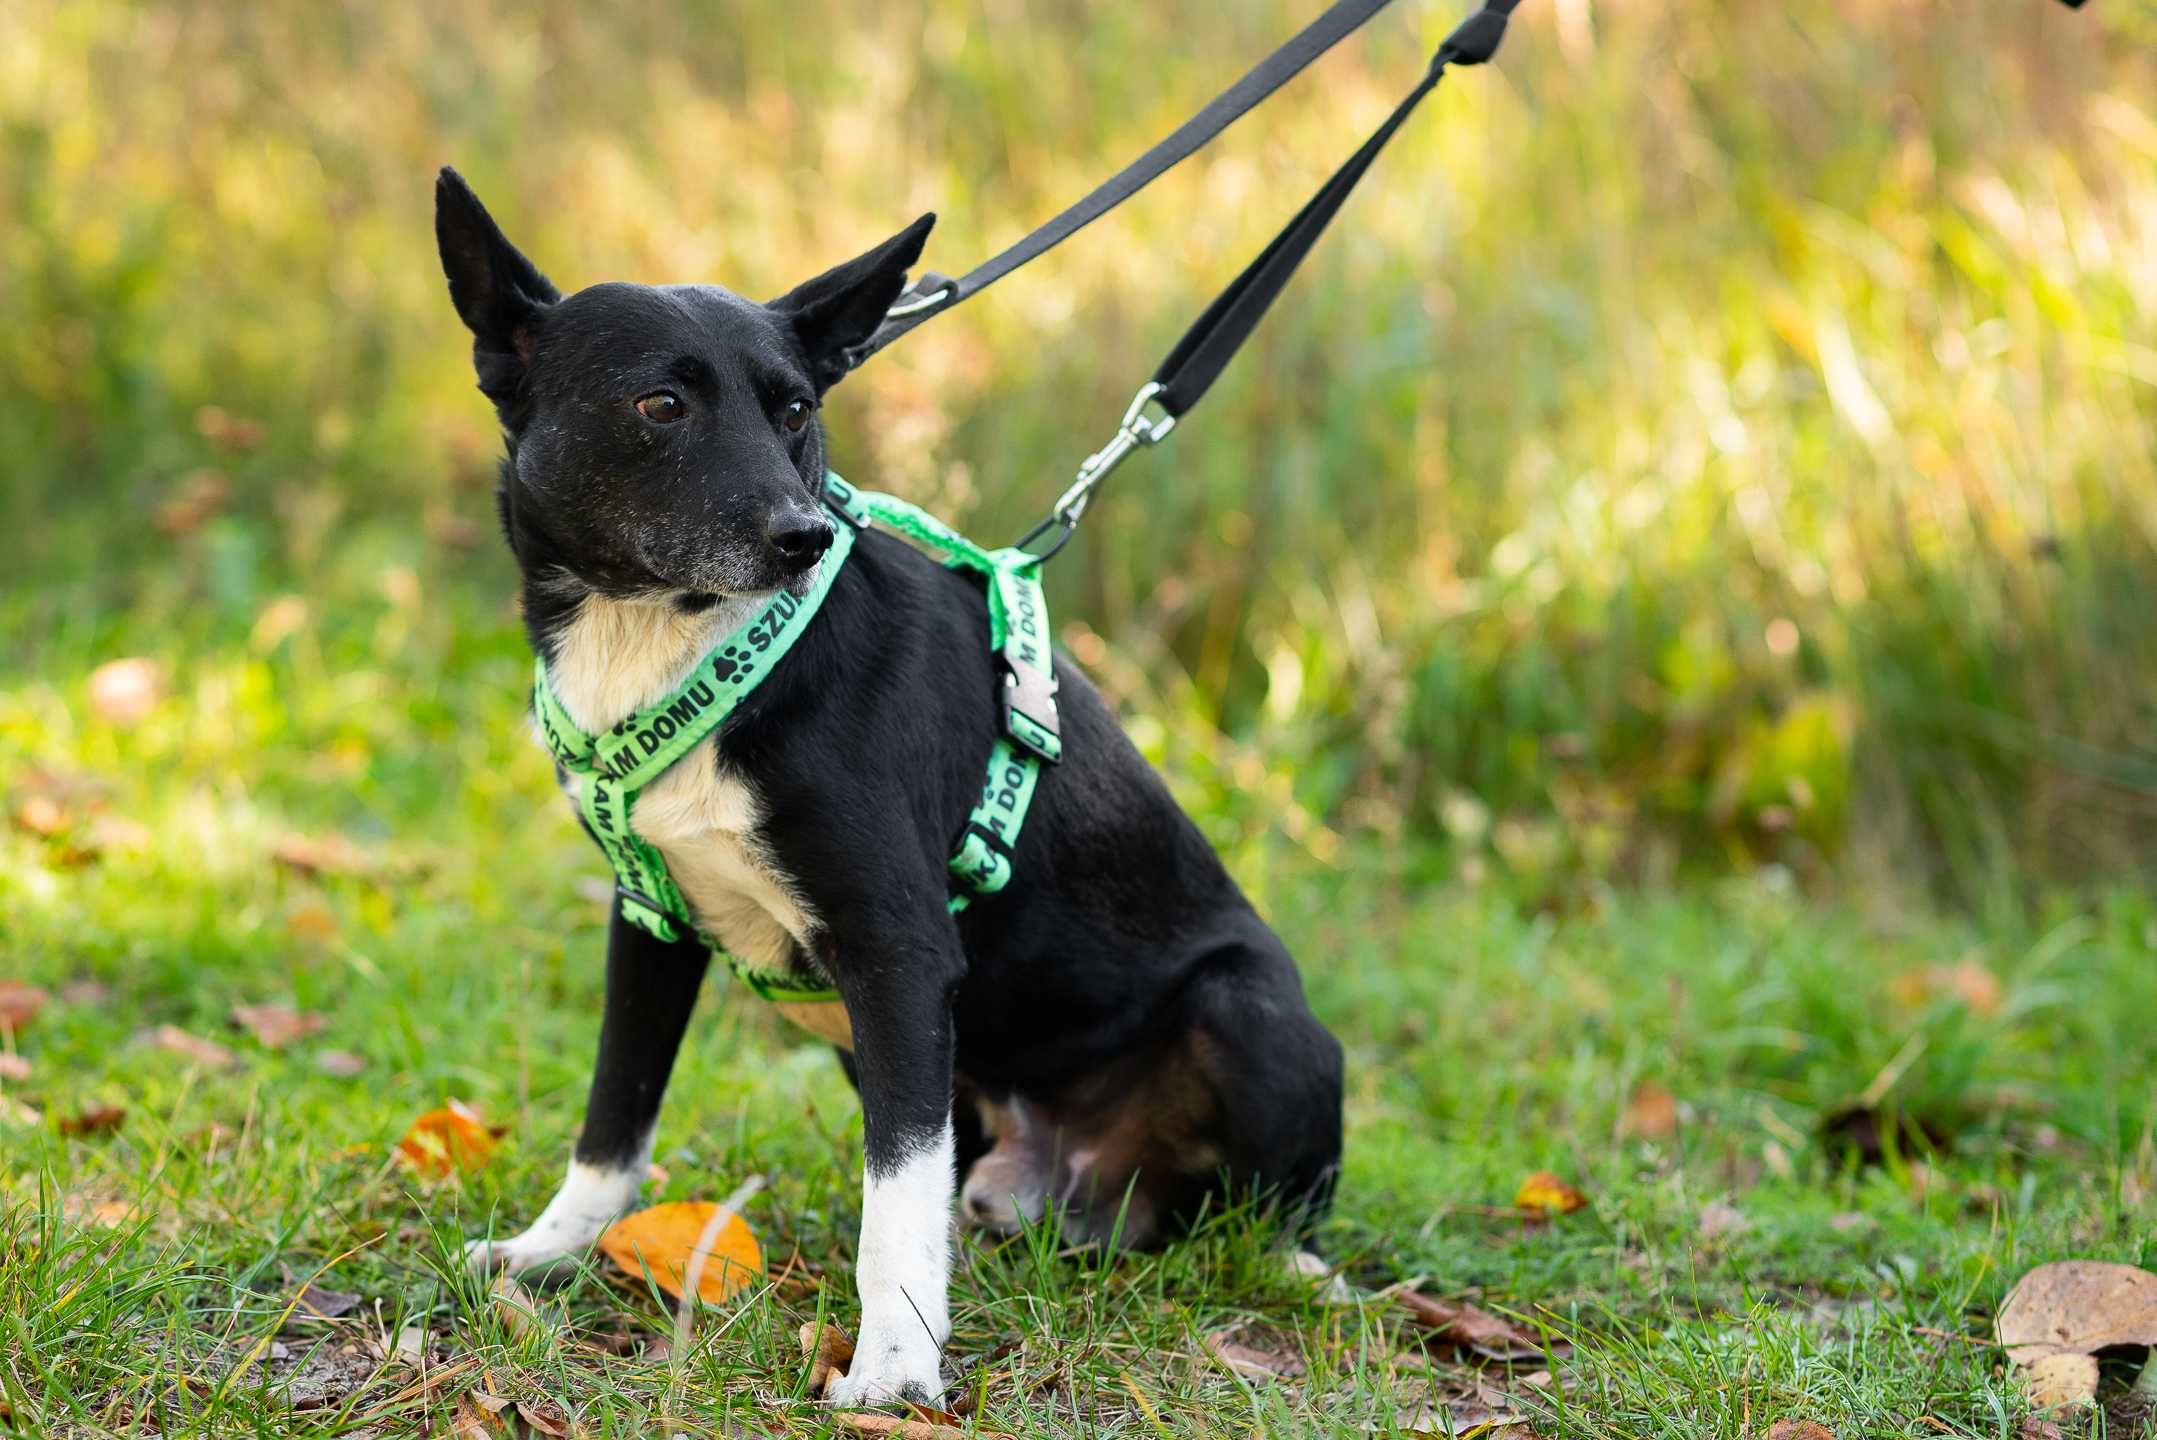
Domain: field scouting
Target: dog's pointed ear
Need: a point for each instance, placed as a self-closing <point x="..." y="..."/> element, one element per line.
<point x="498" y="293"/>
<point x="843" y="306"/>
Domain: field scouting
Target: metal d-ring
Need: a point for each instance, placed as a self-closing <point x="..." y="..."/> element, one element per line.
<point x="911" y="304"/>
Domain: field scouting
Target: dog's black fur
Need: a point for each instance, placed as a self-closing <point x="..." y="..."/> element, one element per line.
<point x="1121" y="995"/>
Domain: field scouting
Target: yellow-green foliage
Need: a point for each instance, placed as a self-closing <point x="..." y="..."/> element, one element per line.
<point x="1718" y="430"/>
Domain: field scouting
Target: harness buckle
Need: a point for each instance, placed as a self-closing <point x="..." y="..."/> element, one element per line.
<point x="1030" y="709"/>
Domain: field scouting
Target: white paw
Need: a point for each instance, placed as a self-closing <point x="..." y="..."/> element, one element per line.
<point x="888" y="1370"/>
<point x="516" y="1254"/>
<point x="588" y="1202"/>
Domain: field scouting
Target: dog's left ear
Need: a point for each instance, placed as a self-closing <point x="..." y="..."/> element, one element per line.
<point x="843" y="306"/>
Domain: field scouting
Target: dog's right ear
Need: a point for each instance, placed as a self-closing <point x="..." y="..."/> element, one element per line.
<point x="498" y="293"/>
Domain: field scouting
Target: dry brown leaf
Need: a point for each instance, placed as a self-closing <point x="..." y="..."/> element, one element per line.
<point x="474" y="1421"/>
<point x="124" y="692"/>
<point x="1456" y="1322"/>
<point x="442" y="1142"/>
<point x="1273" y="1361"/>
<point x="277" y="1026"/>
<point x="14" y="1067"/>
<point x="330" y="854"/>
<point x="189" y="1046"/>
<point x="829" y="1350"/>
<point x="544" y="1416"/>
<point x="1651" y="1112"/>
<point x="1799" y="1430"/>
<point x="2054" y="1382"/>
<point x="326" y="1304"/>
<point x="93" y="1120"/>
<point x="2059" y="1314"/>
<point x="2076" y="1307"/>
<point x="341" y="1063"/>
<point x="1544" y="1191"/>
<point x="19" y="1004"/>
<point x="664" y="1239"/>
<point x="411" y="1345"/>
<point x="2037" y="1427"/>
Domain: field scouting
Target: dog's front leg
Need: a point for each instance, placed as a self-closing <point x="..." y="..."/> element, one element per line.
<point x="899" y="1003"/>
<point x="651" y="988"/>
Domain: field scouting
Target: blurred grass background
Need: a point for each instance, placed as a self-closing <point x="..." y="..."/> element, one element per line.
<point x="1715" y="436"/>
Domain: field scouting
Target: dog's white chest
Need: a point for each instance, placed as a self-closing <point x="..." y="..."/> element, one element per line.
<point x="618" y="656"/>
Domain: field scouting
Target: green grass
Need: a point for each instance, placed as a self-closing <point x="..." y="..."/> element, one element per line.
<point x="1662" y="597"/>
<point x="1488" y="1038"/>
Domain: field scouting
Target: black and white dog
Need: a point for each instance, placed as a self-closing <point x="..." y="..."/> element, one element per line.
<point x="1117" y="1034"/>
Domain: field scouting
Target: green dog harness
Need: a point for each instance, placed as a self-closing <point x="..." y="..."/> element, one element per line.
<point x="615" y="767"/>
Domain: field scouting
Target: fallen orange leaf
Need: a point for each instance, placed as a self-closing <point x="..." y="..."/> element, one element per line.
<point x="1544" y="1191"/>
<point x="664" y="1239"/>
<point x="442" y="1142"/>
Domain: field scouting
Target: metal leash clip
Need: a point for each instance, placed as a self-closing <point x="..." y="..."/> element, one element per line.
<point x="1136" y="429"/>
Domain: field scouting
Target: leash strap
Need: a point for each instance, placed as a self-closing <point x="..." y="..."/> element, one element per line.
<point x="933" y="294"/>
<point x="1198" y="358"/>
<point x="1190" y="369"/>
<point x="614" y="767"/>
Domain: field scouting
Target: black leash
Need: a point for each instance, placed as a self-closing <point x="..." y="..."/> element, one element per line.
<point x="1206" y="348"/>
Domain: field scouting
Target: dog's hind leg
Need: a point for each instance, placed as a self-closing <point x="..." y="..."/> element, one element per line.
<point x="1277" y="1072"/>
<point x="651" y="988"/>
<point x="1241" y="1100"/>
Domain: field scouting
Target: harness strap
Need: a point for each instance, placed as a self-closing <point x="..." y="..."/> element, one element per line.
<point x="614" y="767"/>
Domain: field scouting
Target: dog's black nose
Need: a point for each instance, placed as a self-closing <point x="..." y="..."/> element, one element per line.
<point x="800" y="537"/>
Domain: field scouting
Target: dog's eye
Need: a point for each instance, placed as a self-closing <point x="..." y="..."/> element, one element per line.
<point x="796" y="416"/>
<point x="661" y="407"/>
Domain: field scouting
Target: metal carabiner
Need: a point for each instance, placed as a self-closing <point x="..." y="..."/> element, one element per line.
<point x="1136" y="429"/>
